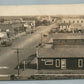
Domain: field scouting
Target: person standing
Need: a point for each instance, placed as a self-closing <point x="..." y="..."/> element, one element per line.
<point x="8" y="33"/>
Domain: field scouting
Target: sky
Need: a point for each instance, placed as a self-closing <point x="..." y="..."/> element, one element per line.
<point x="27" y="10"/>
<point x="11" y="8"/>
<point x="33" y="2"/>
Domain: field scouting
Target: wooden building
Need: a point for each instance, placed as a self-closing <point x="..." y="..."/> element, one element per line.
<point x="67" y="54"/>
<point x="61" y="58"/>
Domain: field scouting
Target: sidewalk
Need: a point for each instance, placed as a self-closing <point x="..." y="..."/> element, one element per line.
<point x="34" y="74"/>
<point x="27" y="73"/>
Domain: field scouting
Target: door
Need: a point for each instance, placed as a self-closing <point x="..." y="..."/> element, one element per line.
<point x="63" y="63"/>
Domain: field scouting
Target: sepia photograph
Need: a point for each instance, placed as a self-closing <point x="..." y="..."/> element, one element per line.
<point x="42" y="42"/>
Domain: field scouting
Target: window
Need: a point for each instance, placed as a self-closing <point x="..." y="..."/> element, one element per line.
<point x="77" y="21"/>
<point x="57" y="62"/>
<point x="73" y="21"/>
<point x="69" y="21"/>
<point x="0" y="38"/>
<point x="48" y="61"/>
<point x="82" y="21"/>
<point x="80" y="62"/>
<point x="64" y="21"/>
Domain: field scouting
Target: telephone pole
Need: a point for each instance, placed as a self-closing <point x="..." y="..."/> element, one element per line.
<point x="41" y="39"/>
<point x="18" y="58"/>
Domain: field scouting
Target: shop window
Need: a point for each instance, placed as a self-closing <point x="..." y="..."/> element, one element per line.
<point x="49" y="62"/>
<point x="57" y="62"/>
<point x="80" y="62"/>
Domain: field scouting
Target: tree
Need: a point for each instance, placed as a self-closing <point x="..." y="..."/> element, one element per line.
<point x="1" y="20"/>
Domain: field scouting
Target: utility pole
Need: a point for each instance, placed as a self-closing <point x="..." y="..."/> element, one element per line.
<point x="41" y="38"/>
<point x="24" y="66"/>
<point x="18" y="59"/>
<point x="37" y="48"/>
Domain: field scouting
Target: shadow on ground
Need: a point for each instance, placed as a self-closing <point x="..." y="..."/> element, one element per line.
<point x="28" y="63"/>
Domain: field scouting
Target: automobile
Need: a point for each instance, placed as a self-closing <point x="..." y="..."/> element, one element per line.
<point x="54" y="30"/>
<point x="6" y="42"/>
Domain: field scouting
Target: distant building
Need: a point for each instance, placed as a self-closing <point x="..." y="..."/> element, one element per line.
<point x="63" y="26"/>
<point x="77" y="26"/>
<point x="73" y="20"/>
<point x="29" y="25"/>
<point x="47" y="18"/>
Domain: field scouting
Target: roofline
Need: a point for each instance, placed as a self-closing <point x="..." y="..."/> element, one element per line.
<point x="59" y="57"/>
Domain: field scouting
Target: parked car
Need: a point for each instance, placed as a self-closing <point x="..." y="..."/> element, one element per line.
<point x="6" y="42"/>
<point x="54" y="30"/>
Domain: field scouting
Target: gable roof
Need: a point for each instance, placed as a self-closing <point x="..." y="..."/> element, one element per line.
<point x="61" y="52"/>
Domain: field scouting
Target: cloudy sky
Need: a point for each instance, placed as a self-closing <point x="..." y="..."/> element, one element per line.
<point x="21" y="10"/>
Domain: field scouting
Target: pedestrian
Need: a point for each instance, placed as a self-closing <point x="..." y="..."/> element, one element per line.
<point x="8" y="33"/>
